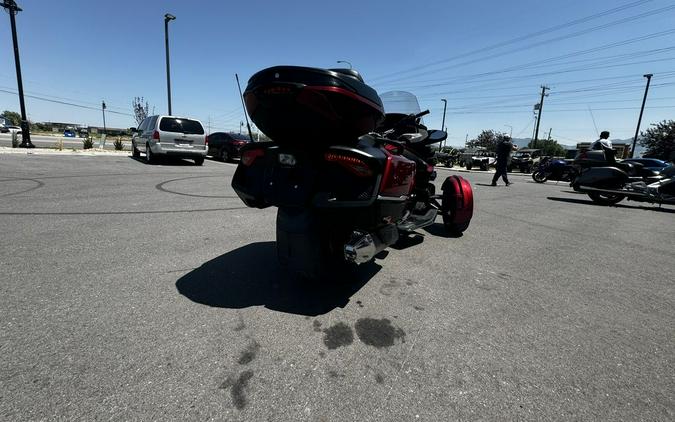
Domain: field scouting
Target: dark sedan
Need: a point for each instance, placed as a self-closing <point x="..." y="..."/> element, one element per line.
<point x="652" y="164"/>
<point x="226" y="146"/>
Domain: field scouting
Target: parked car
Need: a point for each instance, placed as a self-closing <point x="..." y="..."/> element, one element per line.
<point x="4" y="129"/>
<point x="481" y="159"/>
<point x="525" y="160"/>
<point x="226" y="146"/>
<point x="14" y="129"/>
<point x="170" y="136"/>
<point x="653" y="164"/>
<point x="69" y="133"/>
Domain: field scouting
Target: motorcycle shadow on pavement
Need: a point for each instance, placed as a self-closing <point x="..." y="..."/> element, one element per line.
<point x="251" y="276"/>
<point x="653" y="207"/>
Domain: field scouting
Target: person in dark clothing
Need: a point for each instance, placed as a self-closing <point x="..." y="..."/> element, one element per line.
<point x="504" y="148"/>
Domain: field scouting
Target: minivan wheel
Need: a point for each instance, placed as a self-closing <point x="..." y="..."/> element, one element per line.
<point x="149" y="156"/>
<point x="199" y="161"/>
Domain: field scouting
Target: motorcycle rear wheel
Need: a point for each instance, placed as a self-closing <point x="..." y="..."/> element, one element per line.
<point x="605" y="198"/>
<point x="308" y="247"/>
<point x="539" y="177"/>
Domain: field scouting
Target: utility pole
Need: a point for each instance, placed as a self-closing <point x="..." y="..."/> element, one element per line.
<point x="637" y="130"/>
<point x="168" y="17"/>
<point x="541" y="108"/>
<point x="549" y="133"/>
<point x="102" y="143"/>
<point x="12" y="8"/>
<point x="510" y="130"/>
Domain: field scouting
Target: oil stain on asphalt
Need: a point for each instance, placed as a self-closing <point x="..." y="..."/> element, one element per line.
<point x="378" y="332"/>
<point x="249" y="353"/>
<point x="338" y="335"/>
<point x="238" y="388"/>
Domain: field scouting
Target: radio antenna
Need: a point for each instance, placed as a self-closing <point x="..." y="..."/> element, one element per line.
<point x="250" y="134"/>
<point x="593" y="118"/>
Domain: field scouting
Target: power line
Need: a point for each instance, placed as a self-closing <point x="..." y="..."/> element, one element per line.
<point x="522" y="37"/>
<point x="544" y="42"/>
<point x="65" y="103"/>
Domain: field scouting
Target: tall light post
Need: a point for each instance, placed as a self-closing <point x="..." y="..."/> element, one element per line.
<point x="644" y="99"/>
<point x="168" y="17"/>
<point x="345" y="61"/>
<point x="12" y="8"/>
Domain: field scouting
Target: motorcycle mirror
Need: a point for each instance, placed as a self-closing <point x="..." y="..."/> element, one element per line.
<point x="437" y="135"/>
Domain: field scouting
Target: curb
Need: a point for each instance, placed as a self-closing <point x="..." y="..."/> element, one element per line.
<point x="461" y="170"/>
<point x="46" y="151"/>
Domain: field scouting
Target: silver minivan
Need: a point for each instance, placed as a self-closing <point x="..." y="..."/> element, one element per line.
<point x="170" y="135"/>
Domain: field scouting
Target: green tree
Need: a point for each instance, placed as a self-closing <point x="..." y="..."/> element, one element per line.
<point x="13" y="118"/>
<point x="660" y="140"/>
<point x="548" y="147"/>
<point x="487" y="139"/>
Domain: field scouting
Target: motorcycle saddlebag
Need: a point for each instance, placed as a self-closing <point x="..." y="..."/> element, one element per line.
<point x="602" y="177"/>
<point x="306" y="106"/>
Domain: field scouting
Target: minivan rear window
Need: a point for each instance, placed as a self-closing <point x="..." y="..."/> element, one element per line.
<point x="172" y="124"/>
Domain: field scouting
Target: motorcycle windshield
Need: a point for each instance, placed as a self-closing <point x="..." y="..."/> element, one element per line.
<point x="400" y="102"/>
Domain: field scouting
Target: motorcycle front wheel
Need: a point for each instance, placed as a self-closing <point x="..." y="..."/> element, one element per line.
<point x="539" y="176"/>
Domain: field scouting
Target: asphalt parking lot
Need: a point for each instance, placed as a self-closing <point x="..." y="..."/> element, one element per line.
<point x="138" y="292"/>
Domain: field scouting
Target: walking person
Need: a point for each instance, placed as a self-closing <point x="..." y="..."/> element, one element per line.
<point x="504" y="148"/>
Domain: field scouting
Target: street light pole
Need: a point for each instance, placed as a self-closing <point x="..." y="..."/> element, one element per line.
<point x="13" y="9"/>
<point x="345" y="61"/>
<point x="644" y="99"/>
<point x="168" y="17"/>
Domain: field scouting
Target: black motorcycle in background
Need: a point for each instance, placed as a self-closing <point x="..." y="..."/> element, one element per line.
<point x="608" y="182"/>
<point x="556" y="170"/>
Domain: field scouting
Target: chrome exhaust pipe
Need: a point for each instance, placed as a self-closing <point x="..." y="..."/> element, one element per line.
<point x="362" y="247"/>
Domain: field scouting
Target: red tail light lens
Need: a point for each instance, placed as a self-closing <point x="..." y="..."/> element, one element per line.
<point x="206" y="140"/>
<point x="355" y="165"/>
<point x="155" y="135"/>
<point x="249" y="156"/>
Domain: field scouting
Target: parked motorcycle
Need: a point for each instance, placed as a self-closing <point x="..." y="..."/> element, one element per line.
<point x="608" y="182"/>
<point x="346" y="177"/>
<point x="558" y="170"/>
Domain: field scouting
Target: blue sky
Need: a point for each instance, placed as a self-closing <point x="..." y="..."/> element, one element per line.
<point x="488" y="58"/>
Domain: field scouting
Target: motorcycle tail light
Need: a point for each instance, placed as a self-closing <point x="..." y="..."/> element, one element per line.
<point x="249" y="156"/>
<point x="355" y="165"/>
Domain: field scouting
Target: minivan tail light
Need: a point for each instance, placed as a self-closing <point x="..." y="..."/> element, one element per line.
<point x="155" y="135"/>
<point x="249" y="156"/>
<point x="206" y="140"/>
<point x="355" y="165"/>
